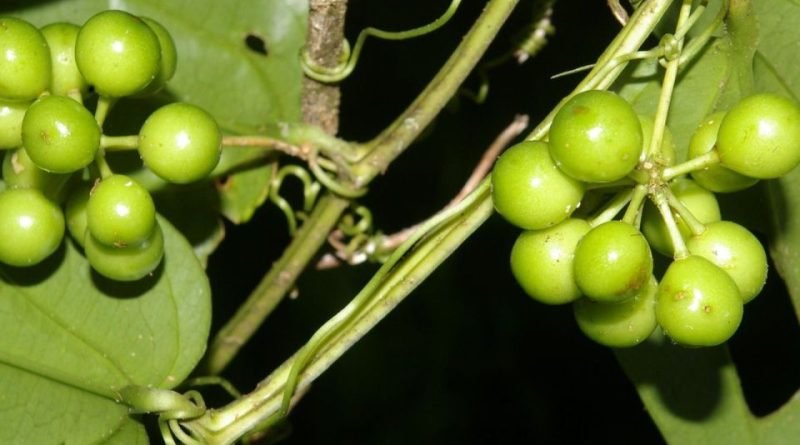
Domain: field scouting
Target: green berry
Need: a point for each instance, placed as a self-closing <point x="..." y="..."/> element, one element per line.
<point x="60" y="135"/>
<point x="715" y="178"/>
<point x="736" y="251"/>
<point x="530" y="191"/>
<point x="19" y="171"/>
<point x="181" y="143"/>
<point x="32" y="227"/>
<point x="542" y="261"/>
<point x="760" y="137"/>
<point x="125" y="263"/>
<point x="169" y="57"/>
<point x="596" y="137"/>
<point x="702" y="203"/>
<point x="697" y="303"/>
<point x="619" y="325"/>
<point x="75" y="212"/>
<point x="120" y="212"/>
<point x="117" y="53"/>
<point x="11" y="115"/>
<point x="25" y="61"/>
<point x="612" y="262"/>
<point x="66" y="79"/>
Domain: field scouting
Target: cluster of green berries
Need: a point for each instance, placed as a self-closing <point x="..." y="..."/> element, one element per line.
<point x="596" y="157"/>
<point x="56" y="149"/>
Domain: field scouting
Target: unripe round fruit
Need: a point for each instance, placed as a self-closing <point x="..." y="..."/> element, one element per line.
<point x="117" y="53"/>
<point x="612" y="262"/>
<point x="530" y="191"/>
<point x="120" y="212"/>
<point x="60" y="135"/>
<point x="702" y="203"/>
<point x="619" y="325"/>
<point x="698" y="304"/>
<point x="596" y="137"/>
<point x="19" y="171"/>
<point x="75" y="212"/>
<point x="715" y="178"/>
<point x="542" y="261"/>
<point x="32" y="227"/>
<point x="760" y="136"/>
<point x="666" y="155"/>
<point x="736" y="251"/>
<point x="11" y="115"/>
<point x="126" y="263"/>
<point x="169" y="58"/>
<point x="66" y="77"/>
<point x="25" y="61"/>
<point x="181" y="143"/>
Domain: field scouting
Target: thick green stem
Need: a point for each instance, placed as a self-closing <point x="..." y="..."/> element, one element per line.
<point x="394" y="140"/>
<point x="225" y="425"/>
<point x="275" y="284"/>
<point x="636" y="31"/>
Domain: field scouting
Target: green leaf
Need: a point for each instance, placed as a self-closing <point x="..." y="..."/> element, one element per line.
<point x="243" y="191"/>
<point x="69" y="339"/>
<point x="242" y="88"/>
<point x="693" y="395"/>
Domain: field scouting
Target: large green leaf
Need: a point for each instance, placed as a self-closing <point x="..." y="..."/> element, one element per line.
<point x="217" y="70"/>
<point x="69" y="339"/>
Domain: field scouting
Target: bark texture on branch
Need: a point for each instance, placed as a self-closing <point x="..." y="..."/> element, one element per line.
<point x="324" y="45"/>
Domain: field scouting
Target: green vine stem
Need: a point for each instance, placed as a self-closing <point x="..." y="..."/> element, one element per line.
<point x="632" y="36"/>
<point x="311" y="236"/>
<point x="226" y="425"/>
<point x="339" y="73"/>
<point x="275" y="284"/>
<point x="394" y="140"/>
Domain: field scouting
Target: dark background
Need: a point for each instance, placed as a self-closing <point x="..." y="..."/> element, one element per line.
<point x="467" y="358"/>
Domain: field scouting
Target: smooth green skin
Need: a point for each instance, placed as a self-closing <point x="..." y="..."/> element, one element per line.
<point x="596" y="137"/>
<point x="180" y="143"/>
<point x="716" y="178"/>
<point x="120" y="212"/>
<point x="697" y="303"/>
<point x="612" y="262"/>
<point x="127" y="263"/>
<point x="19" y="171"/>
<point x="702" y="203"/>
<point x="528" y="189"/>
<point x="25" y="61"/>
<point x="169" y="58"/>
<point x="66" y="77"/>
<point x="11" y="115"/>
<point x="666" y="156"/>
<point x="760" y="137"/>
<point x="541" y="261"/>
<point x="117" y="53"/>
<point x="620" y="325"/>
<point x="32" y="227"/>
<point x="75" y="212"/>
<point x="60" y="135"/>
<point x="736" y="251"/>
